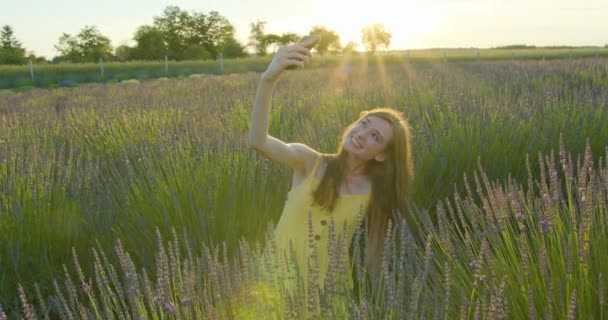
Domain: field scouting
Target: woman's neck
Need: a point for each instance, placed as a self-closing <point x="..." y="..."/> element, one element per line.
<point x="354" y="166"/>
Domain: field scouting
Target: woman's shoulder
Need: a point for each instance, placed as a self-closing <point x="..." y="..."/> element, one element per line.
<point x="308" y="156"/>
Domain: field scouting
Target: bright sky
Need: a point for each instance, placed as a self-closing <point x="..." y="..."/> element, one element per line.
<point x="414" y="24"/>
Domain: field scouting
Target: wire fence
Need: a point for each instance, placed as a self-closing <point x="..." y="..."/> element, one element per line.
<point x="65" y="74"/>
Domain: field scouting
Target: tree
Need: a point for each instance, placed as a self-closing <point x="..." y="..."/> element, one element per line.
<point x="196" y="52"/>
<point x="87" y="46"/>
<point x="211" y="31"/>
<point x="272" y="40"/>
<point x="35" y="58"/>
<point x="8" y="40"/>
<point x="233" y="49"/>
<point x="94" y="45"/>
<point x="11" y="51"/>
<point x="327" y="39"/>
<point x="350" y="48"/>
<point x="288" y="38"/>
<point x="172" y="24"/>
<point x="374" y="36"/>
<point x="68" y="48"/>
<point x="257" y="38"/>
<point x="186" y="35"/>
<point x="276" y="40"/>
<point x="150" y="44"/>
<point x="123" y="52"/>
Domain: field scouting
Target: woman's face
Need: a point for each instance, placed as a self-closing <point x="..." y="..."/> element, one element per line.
<point x="368" y="138"/>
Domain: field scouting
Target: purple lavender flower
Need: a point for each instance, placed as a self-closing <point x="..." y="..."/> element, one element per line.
<point x="522" y="228"/>
<point x="545" y="224"/>
<point x="519" y="216"/>
<point x="169" y="308"/>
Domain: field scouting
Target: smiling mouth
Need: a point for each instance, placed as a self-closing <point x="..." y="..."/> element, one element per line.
<point x="355" y="142"/>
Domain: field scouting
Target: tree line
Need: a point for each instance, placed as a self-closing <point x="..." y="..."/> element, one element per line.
<point x="182" y="35"/>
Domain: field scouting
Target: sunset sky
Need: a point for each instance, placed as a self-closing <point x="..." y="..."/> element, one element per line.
<point x="414" y="24"/>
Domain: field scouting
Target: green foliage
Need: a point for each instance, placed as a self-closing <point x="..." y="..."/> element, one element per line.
<point x="233" y="49"/>
<point x="257" y="37"/>
<point x="48" y="75"/>
<point x="288" y="38"/>
<point x="280" y="40"/>
<point x="211" y="31"/>
<point x="350" y="48"/>
<point x="197" y="52"/>
<point x="150" y="44"/>
<point x="188" y="36"/>
<point x="375" y="35"/>
<point x="329" y="39"/>
<point x="498" y="252"/>
<point x="516" y="46"/>
<point x="81" y="167"/>
<point x="171" y="24"/>
<point x="272" y="40"/>
<point x="87" y="46"/>
<point x="11" y="51"/>
<point x="7" y="38"/>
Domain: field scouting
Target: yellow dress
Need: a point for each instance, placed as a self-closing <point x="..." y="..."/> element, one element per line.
<point x="304" y="223"/>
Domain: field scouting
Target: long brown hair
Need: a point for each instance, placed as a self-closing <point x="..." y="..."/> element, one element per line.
<point x="391" y="180"/>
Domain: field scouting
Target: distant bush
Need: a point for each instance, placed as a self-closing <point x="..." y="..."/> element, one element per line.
<point x="559" y="47"/>
<point x="517" y="46"/>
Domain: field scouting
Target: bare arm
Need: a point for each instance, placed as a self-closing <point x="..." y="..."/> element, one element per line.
<point x="295" y="155"/>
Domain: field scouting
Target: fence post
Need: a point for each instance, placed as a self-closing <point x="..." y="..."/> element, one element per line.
<point x="101" y="65"/>
<point x="31" y="70"/>
<point x="221" y="62"/>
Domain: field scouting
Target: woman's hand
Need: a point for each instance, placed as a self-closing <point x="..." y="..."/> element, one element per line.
<point x="292" y="55"/>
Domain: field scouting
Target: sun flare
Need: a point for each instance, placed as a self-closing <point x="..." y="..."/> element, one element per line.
<point x="406" y="20"/>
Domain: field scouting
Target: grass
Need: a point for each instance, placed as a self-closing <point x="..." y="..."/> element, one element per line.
<point x="71" y="74"/>
<point x="517" y="255"/>
<point x="86" y="167"/>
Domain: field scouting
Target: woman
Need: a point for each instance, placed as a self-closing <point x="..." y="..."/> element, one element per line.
<point x="370" y="174"/>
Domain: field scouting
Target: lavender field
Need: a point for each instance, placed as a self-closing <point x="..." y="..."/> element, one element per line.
<point x="142" y="200"/>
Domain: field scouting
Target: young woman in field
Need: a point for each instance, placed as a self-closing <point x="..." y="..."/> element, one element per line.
<point x="370" y="174"/>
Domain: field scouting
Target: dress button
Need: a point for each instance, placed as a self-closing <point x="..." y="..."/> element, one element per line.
<point x="317" y="237"/>
<point x="323" y="222"/>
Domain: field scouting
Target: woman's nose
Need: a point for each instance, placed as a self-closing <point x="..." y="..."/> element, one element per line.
<point x="361" y="136"/>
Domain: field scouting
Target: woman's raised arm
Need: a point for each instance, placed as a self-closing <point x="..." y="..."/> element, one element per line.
<point x="295" y="155"/>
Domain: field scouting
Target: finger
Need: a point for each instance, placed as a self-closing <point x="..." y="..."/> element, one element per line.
<point x="299" y="48"/>
<point x="298" y="56"/>
<point x="293" y="62"/>
<point x="309" y="41"/>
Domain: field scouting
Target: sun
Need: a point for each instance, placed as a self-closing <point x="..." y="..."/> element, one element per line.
<point x="406" y="20"/>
